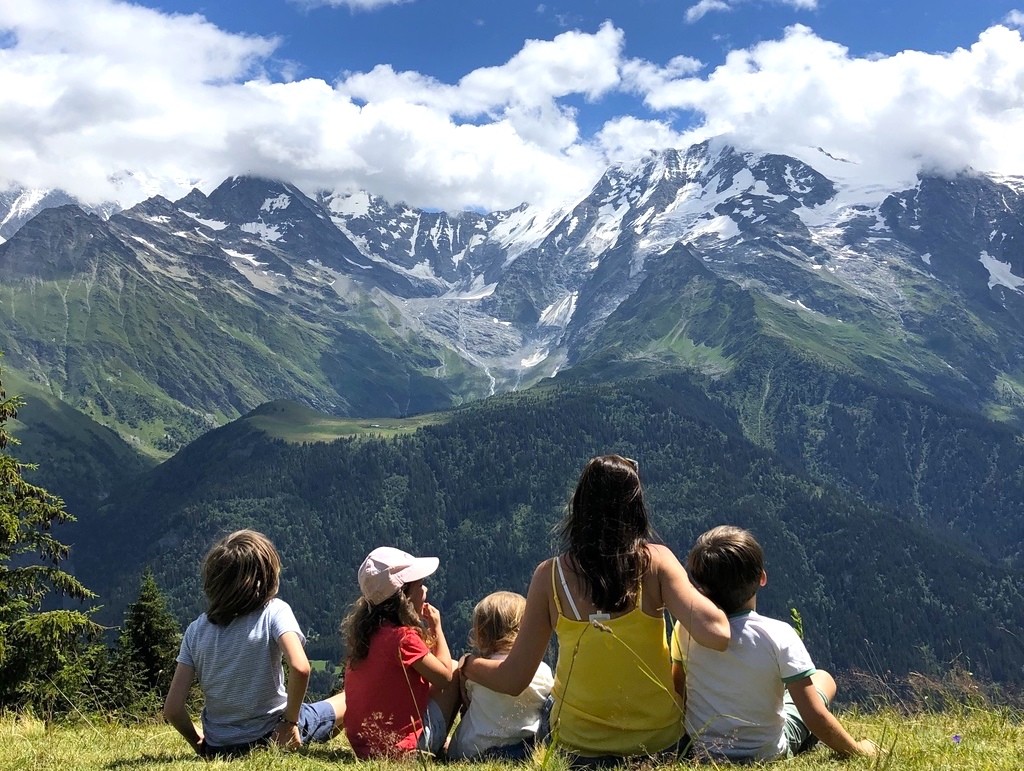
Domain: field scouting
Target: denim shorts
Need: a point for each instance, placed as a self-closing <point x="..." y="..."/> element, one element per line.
<point x="435" y="730"/>
<point x="798" y="735"/>
<point x="315" y="724"/>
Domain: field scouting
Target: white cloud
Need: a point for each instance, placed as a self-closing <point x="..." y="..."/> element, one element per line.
<point x="1014" y="18"/>
<point x="937" y="111"/>
<point x="543" y="71"/>
<point x="355" y="5"/>
<point x="110" y="100"/>
<point x="701" y="9"/>
<point x="624" y="138"/>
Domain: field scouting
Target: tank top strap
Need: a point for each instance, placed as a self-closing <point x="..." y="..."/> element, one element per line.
<point x="554" y="586"/>
<point x="565" y="588"/>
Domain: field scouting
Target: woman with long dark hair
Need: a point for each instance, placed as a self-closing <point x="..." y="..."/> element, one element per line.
<point x="604" y="597"/>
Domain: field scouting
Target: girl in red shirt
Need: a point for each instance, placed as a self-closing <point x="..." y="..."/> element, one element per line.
<point x="398" y="678"/>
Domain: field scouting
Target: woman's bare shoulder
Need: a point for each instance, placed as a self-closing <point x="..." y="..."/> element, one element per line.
<point x="661" y="554"/>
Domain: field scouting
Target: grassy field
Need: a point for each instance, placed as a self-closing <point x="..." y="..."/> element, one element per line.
<point x="988" y="739"/>
<point x="295" y="423"/>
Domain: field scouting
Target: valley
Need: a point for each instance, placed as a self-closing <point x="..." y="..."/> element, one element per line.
<point x="832" y="362"/>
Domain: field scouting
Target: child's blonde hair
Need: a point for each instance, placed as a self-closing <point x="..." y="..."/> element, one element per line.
<point x="496" y="620"/>
<point x="240" y="574"/>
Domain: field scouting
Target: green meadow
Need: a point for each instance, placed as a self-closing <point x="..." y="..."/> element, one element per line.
<point x="960" y="738"/>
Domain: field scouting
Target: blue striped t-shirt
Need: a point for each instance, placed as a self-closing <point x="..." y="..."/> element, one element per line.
<point x="239" y="670"/>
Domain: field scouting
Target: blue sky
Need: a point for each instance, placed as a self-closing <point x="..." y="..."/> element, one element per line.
<point x="486" y="103"/>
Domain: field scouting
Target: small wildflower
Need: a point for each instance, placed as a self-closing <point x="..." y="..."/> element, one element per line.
<point x="957" y="738"/>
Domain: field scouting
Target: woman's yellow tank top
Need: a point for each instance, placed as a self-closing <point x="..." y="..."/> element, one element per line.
<point x="613" y="685"/>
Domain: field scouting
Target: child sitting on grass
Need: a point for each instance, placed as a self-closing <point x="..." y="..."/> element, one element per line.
<point x="761" y="698"/>
<point x="235" y="650"/>
<point x="399" y="677"/>
<point x="496" y="725"/>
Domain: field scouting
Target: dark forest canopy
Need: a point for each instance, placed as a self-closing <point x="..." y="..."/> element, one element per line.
<point x="857" y="494"/>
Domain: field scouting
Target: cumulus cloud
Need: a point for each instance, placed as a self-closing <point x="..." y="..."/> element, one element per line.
<point x="110" y="100"/>
<point x="1014" y="18"/>
<point x="113" y="101"/>
<point x="626" y="137"/>
<point x="936" y="111"/>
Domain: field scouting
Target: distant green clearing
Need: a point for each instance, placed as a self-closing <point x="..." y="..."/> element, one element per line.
<point x="295" y="423"/>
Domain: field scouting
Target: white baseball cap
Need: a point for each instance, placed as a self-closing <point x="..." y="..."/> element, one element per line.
<point x="386" y="570"/>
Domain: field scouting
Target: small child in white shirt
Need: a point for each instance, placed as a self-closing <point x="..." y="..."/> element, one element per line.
<point x="495" y="725"/>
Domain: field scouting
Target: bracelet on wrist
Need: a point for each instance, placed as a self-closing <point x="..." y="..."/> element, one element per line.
<point x="286" y="721"/>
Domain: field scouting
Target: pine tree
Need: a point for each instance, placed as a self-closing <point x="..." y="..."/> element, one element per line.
<point x="43" y="654"/>
<point x="148" y="644"/>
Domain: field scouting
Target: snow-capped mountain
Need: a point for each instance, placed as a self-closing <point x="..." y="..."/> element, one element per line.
<point x="924" y="280"/>
<point x="19" y="205"/>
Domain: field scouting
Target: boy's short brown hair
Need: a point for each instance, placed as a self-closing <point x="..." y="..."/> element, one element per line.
<point x="726" y="564"/>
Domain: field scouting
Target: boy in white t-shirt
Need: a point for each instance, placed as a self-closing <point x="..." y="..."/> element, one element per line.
<point x="762" y="697"/>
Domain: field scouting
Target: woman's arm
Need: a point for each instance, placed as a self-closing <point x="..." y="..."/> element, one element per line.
<point x="174" y="705"/>
<point x="515" y="673"/>
<point x="680" y="646"/>
<point x="704" y="620"/>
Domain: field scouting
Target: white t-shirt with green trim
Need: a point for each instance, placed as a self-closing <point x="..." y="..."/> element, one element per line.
<point x="734" y="697"/>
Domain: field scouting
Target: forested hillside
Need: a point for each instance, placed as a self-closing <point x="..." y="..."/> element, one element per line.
<point x="879" y="587"/>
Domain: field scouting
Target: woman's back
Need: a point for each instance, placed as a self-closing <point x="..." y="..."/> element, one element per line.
<point x="613" y="692"/>
<point x="613" y="680"/>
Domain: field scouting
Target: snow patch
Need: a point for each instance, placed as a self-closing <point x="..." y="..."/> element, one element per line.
<point x="722" y="227"/>
<point x="355" y="205"/>
<point x="145" y="243"/>
<point x="274" y="204"/>
<point x="522" y="230"/>
<point x="560" y="312"/>
<point x="211" y="224"/>
<point x="24" y="204"/>
<point x="476" y="291"/>
<point x="264" y="231"/>
<point x="424" y="271"/>
<point x="250" y="258"/>
<point x="999" y="273"/>
<point x="534" y="360"/>
<point x="926" y="258"/>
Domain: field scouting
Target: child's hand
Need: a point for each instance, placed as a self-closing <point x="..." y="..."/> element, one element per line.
<point x="868" y="748"/>
<point x="287" y="735"/>
<point x="432" y="616"/>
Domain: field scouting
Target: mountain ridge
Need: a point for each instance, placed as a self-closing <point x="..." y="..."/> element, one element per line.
<point x="915" y="285"/>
